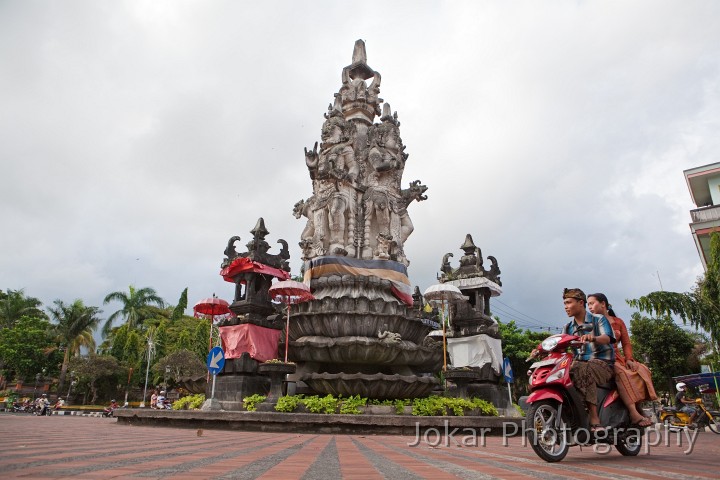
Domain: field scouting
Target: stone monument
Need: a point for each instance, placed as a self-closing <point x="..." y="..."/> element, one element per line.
<point x="360" y="335"/>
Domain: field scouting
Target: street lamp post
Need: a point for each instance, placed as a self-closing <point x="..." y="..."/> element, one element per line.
<point x="72" y="382"/>
<point x="37" y="380"/>
<point x="167" y="372"/>
<point x="127" y="388"/>
<point x="147" y="370"/>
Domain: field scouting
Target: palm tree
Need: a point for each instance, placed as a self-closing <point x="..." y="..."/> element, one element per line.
<point x="137" y="306"/>
<point x="14" y="305"/>
<point x="74" y="329"/>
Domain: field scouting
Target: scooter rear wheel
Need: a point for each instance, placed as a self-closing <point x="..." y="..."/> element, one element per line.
<point x="546" y="432"/>
<point x="630" y="445"/>
<point x="671" y="420"/>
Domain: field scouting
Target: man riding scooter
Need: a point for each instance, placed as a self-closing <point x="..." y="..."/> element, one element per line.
<point x="688" y="404"/>
<point x="593" y="365"/>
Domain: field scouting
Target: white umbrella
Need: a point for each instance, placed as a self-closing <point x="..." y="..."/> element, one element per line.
<point x="444" y="292"/>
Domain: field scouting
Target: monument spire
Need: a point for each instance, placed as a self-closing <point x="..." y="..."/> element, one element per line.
<point x="359" y="55"/>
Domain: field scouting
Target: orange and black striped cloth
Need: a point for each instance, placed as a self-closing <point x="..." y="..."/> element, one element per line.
<point x="392" y="271"/>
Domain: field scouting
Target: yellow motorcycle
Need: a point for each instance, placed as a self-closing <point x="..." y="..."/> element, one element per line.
<point x="673" y="417"/>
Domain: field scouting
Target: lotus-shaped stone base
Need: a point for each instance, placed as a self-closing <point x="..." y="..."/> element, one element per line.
<point x="371" y="386"/>
<point x="346" y="317"/>
<point x="364" y="351"/>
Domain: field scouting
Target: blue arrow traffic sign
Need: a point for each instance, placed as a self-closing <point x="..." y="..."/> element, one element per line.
<point x="507" y="370"/>
<point x="216" y="360"/>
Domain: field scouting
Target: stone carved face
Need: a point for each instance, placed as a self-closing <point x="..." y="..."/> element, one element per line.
<point x="332" y="132"/>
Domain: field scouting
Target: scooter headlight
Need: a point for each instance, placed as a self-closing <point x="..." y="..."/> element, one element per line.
<point x="550" y="343"/>
<point x="555" y="376"/>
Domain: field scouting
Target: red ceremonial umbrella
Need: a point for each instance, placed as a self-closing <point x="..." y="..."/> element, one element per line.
<point x="290" y="292"/>
<point x="212" y="307"/>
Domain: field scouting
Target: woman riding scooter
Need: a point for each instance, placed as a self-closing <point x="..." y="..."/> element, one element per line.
<point x="634" y="382"/>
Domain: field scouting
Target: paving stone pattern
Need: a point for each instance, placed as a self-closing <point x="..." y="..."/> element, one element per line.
<point x="99" y="448"/>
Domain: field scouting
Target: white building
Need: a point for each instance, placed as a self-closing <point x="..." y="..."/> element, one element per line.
<point x="704" y="185"/>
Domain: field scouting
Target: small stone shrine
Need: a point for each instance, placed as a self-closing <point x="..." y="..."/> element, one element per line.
<point x="474" y="342"/>
<point x="251" y="337"/>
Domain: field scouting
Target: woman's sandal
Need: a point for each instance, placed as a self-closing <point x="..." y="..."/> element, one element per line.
<point x="596" y="427"/>
<point x="645" y="422"/>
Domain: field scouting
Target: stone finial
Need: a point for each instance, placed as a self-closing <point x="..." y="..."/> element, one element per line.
<point x="469" y="246"/>
<point x="259" y="232"/>
<point x="359" y="55"/>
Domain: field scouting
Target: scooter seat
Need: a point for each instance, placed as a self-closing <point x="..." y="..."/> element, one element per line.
<point x="608" y="386"/>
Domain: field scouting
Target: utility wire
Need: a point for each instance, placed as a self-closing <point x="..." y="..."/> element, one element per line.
<point x="523" y="314"/>
<point x="522" y="322"/>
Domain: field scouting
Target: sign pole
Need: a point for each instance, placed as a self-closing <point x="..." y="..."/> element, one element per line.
<point x="215" y="364"/>
<point x="509" y="377"/>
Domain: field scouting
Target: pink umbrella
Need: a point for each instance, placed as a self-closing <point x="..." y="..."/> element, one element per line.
<point x="212" y="307"/>
<point x="290" y="292"/>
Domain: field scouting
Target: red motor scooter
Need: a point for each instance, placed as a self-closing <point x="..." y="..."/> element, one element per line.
<point x="557" y="419"/>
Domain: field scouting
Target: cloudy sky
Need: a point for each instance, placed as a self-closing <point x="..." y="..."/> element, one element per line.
<point x="137" y="137"/>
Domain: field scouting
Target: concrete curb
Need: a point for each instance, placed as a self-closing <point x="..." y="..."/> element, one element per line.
<point x="78" y="413"/>
<point x="317" y="423"/>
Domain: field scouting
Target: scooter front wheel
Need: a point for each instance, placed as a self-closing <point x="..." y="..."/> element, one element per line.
<point x="546" y="431"/>
<point x="713" y="422"/>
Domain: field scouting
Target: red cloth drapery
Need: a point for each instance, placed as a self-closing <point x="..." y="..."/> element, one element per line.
<point x="260" y="342"/>
<point x="244" y="264"/>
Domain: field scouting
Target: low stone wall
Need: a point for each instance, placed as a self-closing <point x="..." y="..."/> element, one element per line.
<point x="319" y="423"/>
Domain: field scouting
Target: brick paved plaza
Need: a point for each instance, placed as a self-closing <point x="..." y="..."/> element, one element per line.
<point x="100" y="448"/>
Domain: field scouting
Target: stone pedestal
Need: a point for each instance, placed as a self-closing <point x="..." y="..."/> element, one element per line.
<point x="277" y="372"/>
<point x="239" y="379"/>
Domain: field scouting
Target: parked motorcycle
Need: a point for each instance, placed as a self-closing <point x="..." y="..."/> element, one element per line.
<point x="108" y="411"/>
<point x="557" y="418"/>
<point x="673" y="417"/>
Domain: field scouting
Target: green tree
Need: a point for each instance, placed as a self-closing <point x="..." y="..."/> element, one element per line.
<point x="201" y="340"/>
<point x="134" y="349"/>
<point x="75" y="324"/>
<point x="117" y="341"/>
<point x="137" y="306"/>
<point x="663" y="345"/>
<point x="161" y="339"/>
<point x="26" y="348"/>
<point x="700" y="307"/>
<point x="14" y="304"/>
<point x="517" y="345"/>
<point x="184" y="341"/>
<point x="182" y="363"/>
<point x="179" y="310"/>
<point x="94" y="368"/>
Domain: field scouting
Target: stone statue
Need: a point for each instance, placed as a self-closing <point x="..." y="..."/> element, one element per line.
<point x="334" y="172"/>
<point x="358" y="207"/>
<point x="385" y="244"/>
<point x="387" y="336"/>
